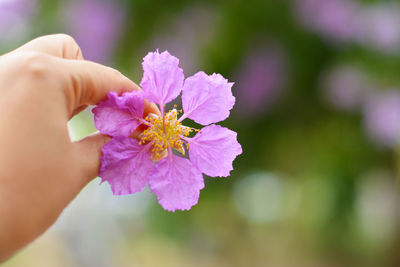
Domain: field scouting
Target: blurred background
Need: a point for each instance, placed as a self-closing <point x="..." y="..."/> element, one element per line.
<point x="317" y="113"/>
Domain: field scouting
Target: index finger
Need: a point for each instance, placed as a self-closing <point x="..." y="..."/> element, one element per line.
<point x="87" y="83"/>
<point x="58" y="45"/>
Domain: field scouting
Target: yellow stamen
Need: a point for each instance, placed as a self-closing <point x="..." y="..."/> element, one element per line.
<point x="165" y="133"/>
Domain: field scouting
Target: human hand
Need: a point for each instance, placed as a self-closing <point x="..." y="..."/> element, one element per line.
<point x="42" y="85"/>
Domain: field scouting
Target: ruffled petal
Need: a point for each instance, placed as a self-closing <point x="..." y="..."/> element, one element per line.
<point x="206" y="98"/>
<point x="213" y="149"/>
<point x="118" y="115"/>
<point x="162" y="78"/>
<point x="125" y="165"/>
<point x="177" y="183"/>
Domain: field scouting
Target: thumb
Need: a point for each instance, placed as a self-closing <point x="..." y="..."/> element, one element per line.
<point x="88" y="152"/>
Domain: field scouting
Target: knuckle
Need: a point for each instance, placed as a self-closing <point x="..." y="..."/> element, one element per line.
<point x="69" y="46"/>
<point x="67" y="39"/>
<point x="35" y="63"/>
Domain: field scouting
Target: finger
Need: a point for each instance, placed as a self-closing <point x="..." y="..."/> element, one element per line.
<point x="78" y="110"/>
<point x="150" y="108"/>
<point x="90" y="147"/>
<point x="87" y="83"/>
<point x="58" y="45"/>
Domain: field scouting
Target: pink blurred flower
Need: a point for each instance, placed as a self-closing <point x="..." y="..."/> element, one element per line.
<point x="374" y="26"/>
<point x="382" y="118"/>
<point x="96" y="25"/>
<point x="261" y="79"/>
<point x="345" y="87"/>
<point x="335" y="19"/>
<point x="14" y="18"/>
<point x="381" y="27"/>
<point x="128" y="164"/>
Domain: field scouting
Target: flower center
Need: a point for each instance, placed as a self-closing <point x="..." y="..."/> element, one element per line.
<point x="163" y="133"/>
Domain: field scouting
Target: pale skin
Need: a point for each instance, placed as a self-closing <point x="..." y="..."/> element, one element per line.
<point x="43" y="84"/>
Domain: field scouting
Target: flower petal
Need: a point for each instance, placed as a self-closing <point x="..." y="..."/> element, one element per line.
<point x="207" y="98"/>
<point x="177" y="183"/>
<point x="125" y="165"/>
<point x="213" y="149"/>
<point x="118" y="115"/>
<point x="162" y="78"/>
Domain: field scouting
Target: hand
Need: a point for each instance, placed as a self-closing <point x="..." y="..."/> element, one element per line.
<point x="42" y="85"/>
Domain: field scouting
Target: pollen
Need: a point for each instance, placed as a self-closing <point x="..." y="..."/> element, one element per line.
<point x="163" y="133"/>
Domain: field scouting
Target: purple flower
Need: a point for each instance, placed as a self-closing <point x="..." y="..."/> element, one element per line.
<point x="382" y="118"/>
<point x="21" y="7"/>
<point x="261" y="80"/>
<point x="96" y="26"/>
<point x="335" y="19"/>
<point x="129" y="164"/>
